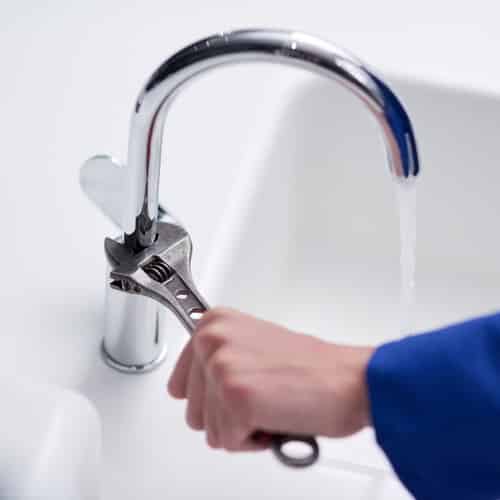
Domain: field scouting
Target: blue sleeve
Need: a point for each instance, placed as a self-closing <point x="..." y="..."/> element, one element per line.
<point x="435" y="403"/>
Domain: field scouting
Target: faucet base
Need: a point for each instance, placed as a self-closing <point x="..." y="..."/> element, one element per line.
<point x="133" y="368"/>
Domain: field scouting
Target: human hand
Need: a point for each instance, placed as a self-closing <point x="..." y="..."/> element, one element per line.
<point x="241" y="375"/>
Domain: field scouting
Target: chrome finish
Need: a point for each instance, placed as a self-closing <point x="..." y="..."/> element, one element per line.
<point x="130" y="341"/>
<point x="131" y="368"/>
<point x="291" y="48"/>
<point x="162" y="272"/>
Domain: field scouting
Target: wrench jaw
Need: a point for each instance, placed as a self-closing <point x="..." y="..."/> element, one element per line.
<point x="125" y="283"/>
<point x="161" y="272"/>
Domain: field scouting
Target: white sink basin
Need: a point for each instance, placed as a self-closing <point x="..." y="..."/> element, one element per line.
<point x="313" y="237"/>
<point x="317" y="244"/>
<point x="309" y="239"/>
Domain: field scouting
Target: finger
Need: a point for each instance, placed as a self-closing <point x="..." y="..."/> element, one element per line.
<point x="214" y="314"/>
<point x="235" y="435"/>
<point x="245" y="441"/>
<point x="210" y="418"/>
<point x="259" y="439"/>
<point x="222" y="424"/>
<point x="208" y="340"/>
<point x="232" y="435"/>
<point x="177" y="385"/>
<point x="233" y="420"/>
<point x="213" y="330"/>
<point x="196" y="396"/>
<point x="251" y="444"/>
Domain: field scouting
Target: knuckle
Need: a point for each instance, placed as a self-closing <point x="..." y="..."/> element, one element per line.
<point x="216" y="317"/>
<point x="233" y="390"/>
<point x="214" y="314"/>
<point x="221" y="312"/>
<point x="238" y="396"/>
<point x="220" y="366"/>
<point x="207" y="340"/>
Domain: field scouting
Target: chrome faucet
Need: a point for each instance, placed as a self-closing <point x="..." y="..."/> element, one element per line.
<point x="133" y="339"/>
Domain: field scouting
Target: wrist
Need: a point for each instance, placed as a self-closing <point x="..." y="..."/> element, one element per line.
<point x="360" y="358"/>
<point x="349" y="389"/>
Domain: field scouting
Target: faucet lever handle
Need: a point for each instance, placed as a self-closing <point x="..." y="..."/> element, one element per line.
<point x="102" y="179"/>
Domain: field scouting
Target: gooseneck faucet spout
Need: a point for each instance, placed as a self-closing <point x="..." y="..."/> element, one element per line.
<point x="285" y="47"/>
<point x="133" y="340"/>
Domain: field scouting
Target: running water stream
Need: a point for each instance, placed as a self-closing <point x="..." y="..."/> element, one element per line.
<point x="407" y="202"/>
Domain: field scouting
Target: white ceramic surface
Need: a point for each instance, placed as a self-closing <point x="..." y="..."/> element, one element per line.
<point x="50" y="443"/>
